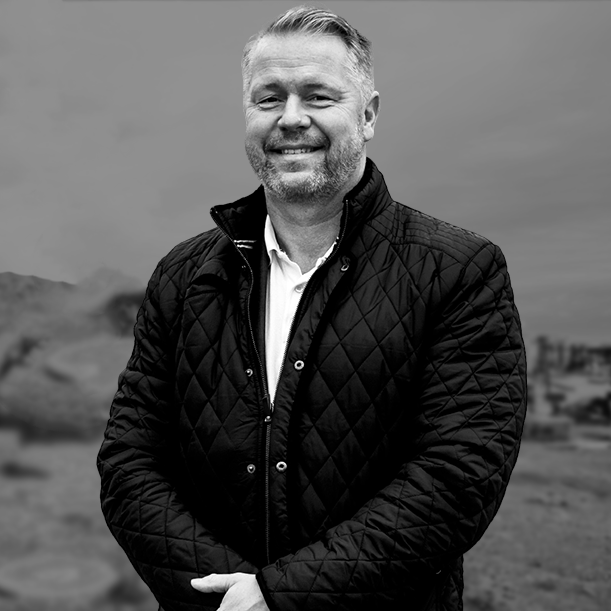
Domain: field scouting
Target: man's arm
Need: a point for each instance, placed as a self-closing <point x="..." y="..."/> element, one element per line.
<point x="469" y="423"/>
<point x="161" y="537"/>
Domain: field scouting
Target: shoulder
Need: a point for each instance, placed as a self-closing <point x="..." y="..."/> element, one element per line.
<point x="190" y="253"/>
<point x="175" y="271"/>
<point x="406" y="226"/>
<point x="434" y="252"/>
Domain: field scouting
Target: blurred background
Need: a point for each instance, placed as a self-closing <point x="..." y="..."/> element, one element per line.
<point x="121" y="125"/>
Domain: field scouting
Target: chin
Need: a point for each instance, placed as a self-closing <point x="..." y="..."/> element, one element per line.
<point x="289" y="167"/>
<point x="297" y="178"/>
<point x="301" y="189"/>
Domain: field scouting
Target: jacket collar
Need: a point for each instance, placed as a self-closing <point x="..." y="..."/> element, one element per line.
<point x="243" y="221"/>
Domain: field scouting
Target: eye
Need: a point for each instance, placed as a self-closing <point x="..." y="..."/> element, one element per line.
<point x="320" y="99"/>
<point x="269" y="102"/>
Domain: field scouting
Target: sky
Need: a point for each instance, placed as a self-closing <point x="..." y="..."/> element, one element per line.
<point x="121" y="125"/>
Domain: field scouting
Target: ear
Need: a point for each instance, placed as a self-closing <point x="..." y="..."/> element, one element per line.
<point x="371" y="111"/>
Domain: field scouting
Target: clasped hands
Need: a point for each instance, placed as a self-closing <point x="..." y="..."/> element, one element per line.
<point x="242" y="592"/>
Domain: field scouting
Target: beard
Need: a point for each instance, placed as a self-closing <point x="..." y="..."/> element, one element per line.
<point x="323" y="181"/>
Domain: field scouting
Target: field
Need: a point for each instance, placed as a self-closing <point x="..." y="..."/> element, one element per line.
<point x="549" y="548"/>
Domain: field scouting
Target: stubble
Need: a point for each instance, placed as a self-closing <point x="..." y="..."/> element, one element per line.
<point x="328" y="177"/>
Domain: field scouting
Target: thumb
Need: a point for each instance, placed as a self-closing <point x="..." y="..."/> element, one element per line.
<point x="215" y="582"/>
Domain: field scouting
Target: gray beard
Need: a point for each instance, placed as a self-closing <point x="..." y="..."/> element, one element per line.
<point x="326" y="180"/>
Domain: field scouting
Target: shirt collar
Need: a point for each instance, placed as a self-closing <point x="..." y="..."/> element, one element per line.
<point x="272" y="246"/>
<point x="271" y="242"/>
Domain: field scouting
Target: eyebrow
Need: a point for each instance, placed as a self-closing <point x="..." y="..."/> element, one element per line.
<point x="276" y="85"/>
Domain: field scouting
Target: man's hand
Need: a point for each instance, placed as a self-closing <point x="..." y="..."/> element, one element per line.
<point x="242" y="592"/>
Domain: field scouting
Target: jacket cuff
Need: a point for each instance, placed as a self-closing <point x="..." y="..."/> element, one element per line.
<point x="265" y="591"/>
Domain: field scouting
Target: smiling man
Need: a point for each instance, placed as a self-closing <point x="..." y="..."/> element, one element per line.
<point x="327" y="391"/>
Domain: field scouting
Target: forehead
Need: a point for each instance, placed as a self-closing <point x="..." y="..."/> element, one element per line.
<point x="298" y="56"/>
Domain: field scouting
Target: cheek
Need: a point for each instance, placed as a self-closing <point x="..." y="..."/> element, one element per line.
<point x="341" y="129"/>
<point x="339" y="136"/>
<point x="256" y="130"/>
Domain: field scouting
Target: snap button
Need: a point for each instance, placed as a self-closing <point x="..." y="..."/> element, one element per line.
<point x="298" y="365"/>
<point x="299" y="288"/>
<point x="281" y="466"/>
<point x="251" y="468"/>
<point x="249" y="372"/>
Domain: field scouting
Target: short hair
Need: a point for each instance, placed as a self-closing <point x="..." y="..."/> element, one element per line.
<point x="312" y="20"/>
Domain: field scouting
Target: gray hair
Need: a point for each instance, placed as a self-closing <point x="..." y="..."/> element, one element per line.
<point x="312" y="20"/>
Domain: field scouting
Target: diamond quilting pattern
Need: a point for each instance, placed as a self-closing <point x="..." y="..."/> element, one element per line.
<point x="400" y="432"/>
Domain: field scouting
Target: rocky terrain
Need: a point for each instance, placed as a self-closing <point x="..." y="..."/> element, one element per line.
<point x="62" y="347"/>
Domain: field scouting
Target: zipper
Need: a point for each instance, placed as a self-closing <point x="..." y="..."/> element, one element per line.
<point x="270" y="405"/>
<point x="266" y="397"/>
<point x="268" y="441"/>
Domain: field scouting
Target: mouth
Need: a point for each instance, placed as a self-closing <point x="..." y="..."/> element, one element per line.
<point x="296" y="151"/>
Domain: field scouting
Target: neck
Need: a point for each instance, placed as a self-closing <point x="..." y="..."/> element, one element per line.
<point x="305" y="234"/>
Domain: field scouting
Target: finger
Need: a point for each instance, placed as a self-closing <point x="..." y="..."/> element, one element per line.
<point x="215" y="582"/>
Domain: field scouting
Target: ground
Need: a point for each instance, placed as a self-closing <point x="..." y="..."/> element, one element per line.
<point x="548" y="549"/>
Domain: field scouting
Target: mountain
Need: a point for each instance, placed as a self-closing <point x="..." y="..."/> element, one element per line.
<point x="15" y="288"/>
<point x="19" y="294"/>
<point x="25" y="299"/>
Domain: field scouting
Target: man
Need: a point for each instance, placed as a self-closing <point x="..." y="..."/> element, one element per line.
<point x="326" y="394"/>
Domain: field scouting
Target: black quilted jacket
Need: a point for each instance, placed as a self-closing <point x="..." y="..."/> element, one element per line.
<point x="395" y="427"/>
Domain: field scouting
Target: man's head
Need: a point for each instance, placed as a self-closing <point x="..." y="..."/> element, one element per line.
<point x="309" y="103"/>
<point x="317" y="21"/>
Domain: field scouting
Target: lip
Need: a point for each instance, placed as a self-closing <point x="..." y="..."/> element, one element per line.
<point x="291" y="151"/>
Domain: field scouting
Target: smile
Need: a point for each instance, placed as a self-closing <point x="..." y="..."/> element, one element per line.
<point x="297" y="151"/>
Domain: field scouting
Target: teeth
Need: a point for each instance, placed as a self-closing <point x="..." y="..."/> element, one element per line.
<point x="295" y="151"/>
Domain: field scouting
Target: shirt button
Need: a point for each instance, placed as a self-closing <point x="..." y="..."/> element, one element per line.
<point x="251" y="468"/>
<point x="299" y="288"/>
<point x="298" y="365"/>
<point x="281" y="466"/>
<point x="249" y="372"/>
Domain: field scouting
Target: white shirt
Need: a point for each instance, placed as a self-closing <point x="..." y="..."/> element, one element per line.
<point x="284" y="289"/>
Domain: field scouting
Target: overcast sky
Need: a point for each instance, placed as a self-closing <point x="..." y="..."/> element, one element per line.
<point x="121" y="124"/>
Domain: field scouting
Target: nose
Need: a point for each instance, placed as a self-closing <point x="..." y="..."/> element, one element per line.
<point x="294" y="115"/>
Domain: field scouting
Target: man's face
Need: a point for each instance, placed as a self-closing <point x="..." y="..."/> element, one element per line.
<point x="306" y="126"/>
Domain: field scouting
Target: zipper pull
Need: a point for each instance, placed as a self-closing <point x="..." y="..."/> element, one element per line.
<point x="270" y="407"/>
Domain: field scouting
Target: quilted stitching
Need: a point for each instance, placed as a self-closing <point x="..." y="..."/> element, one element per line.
<point x="400" y="433"/>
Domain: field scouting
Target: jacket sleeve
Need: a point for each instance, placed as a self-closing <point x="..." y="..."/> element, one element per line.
<point x="394" y="550"/>
<point x="140" y="500"/>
